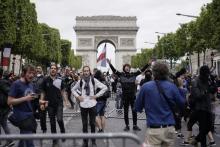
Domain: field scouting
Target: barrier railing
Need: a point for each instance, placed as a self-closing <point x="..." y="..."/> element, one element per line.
<point x="74" y="137"/>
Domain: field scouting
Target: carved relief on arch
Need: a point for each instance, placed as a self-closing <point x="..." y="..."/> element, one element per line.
<point x="111" y="39"/>
<point x="126" y="59"/>
<point x="127" y="42"/>
<point x="85" y="59"/>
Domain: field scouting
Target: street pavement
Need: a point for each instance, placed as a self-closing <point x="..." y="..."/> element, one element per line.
<point x="114" y="123"/>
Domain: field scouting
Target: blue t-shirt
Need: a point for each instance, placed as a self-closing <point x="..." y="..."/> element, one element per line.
<point x="20" y="89"/>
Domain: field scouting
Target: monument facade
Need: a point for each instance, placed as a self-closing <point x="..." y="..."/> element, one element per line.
<point x="95" y="30"/>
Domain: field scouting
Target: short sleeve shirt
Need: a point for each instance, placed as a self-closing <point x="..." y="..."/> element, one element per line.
<point x="17" y="90"/>
<point x="52" y="89"/>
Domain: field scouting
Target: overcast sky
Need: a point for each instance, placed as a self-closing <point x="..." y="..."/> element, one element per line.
<point x="152" y="15"/>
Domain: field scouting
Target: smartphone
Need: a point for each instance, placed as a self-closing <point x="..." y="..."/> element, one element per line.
<point x="34" y="95"/>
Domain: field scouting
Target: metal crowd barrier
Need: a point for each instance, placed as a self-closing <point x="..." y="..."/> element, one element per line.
<point x="74" y="137"/>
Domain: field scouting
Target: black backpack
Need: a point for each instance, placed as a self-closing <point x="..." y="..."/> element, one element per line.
<point x="4" y="89"/>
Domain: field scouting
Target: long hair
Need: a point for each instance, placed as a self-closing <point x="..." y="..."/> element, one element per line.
<point x="87" y="67"/>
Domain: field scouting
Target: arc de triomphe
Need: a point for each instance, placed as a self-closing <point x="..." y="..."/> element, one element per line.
<point x="119" y="31"/>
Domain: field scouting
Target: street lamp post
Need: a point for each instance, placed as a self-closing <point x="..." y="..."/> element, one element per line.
<point x="158" y="41"/>
<point x="13" y="64"/>
<point x="187" y="63"/>
<point x="212" y="58"/>
<point x="186" y="15"/>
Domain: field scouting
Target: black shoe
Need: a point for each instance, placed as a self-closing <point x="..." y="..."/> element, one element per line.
<point x="180" y="135"/>
<point x="127" y="128"/>
<point x="136" y="128"/>
<point x="212" y="143"/>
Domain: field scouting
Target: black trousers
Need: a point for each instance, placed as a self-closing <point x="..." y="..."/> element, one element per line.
<point x="43" y="119"/>
<point x="128" y="100"/>
<point x="39" y="114"/>
<point x="91" y="113"/>
<point x="205" y="124"/>
<point x="56" y="112"/>
<point x="192" y="120"/>
<point x="69" y="98"/>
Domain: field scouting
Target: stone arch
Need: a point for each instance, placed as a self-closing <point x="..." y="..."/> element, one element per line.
<point x="117" y="30"/>
<point x="106" y="41"/>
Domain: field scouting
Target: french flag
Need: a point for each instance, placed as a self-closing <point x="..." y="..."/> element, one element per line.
<point x="102" y="57"/>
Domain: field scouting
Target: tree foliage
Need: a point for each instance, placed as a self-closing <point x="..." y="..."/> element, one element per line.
<point x="196" y="36"/>
<point x="38" y="43"/>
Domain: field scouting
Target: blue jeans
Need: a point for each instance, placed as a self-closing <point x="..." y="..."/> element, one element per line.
<point x="100" y="108"/>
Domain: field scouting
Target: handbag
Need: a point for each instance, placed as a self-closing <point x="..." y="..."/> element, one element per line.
<point x="171" y="106"/>
<point x="28" y="124"/>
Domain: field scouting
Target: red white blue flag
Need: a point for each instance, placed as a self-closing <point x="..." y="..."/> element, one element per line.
<point x="102" y="57"/>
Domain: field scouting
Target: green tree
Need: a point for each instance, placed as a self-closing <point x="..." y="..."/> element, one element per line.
<point x="66" y="52"/>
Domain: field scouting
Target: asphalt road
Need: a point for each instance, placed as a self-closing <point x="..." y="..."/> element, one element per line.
<point x="114" y="123"/>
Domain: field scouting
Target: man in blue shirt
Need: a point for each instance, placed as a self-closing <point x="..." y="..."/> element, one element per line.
<point x="160" y="119"/>
<point x="20" y="97"/>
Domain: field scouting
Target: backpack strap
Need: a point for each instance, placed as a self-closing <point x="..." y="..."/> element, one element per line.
<point x="93" y="83"/>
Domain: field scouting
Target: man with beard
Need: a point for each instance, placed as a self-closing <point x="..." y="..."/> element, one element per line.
<point x="85" y="92"/>
<point x="20" y="96"/>
<point x="201" y="90"/>
<point x="52" y="90"/>
<point x="127" y="80"/>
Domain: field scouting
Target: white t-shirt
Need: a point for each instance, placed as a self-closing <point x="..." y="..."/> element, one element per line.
<point x="138" y="80"/>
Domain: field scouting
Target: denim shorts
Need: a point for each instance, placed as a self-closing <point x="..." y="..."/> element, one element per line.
<point x="100" y="108"/>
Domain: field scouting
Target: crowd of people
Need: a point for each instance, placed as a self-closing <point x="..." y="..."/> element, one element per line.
<point x="167" y="99"/>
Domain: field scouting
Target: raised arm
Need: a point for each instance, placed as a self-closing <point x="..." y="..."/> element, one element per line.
<point x="141" y="70"/>
<point x="113" y="69"/>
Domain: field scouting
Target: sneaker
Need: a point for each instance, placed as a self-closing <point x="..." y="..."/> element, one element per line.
<point x="127" y="128"/>
<point x="100" y="131"/>
<point x="136" y="128"/>
<point x="180" y="135"/>
<point x="185" y="143"/>
<point x="9" y="144"/>
<point x="212" y="143"/>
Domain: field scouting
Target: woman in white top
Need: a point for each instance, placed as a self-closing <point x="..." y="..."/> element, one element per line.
<point x="85" y="92"/>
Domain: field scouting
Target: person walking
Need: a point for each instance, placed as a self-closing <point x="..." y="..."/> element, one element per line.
<point x="85" y="91"/>
<point x="202" y="88"/>
<point x="127" y="79"/>
<point x="101" y="102"/>
<point x="158" y="97"/>
<point x="4" y="107"/>
<point x="19" y="97"/>
<point x="40" y="114"/>
<point x="52" y="93"/>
